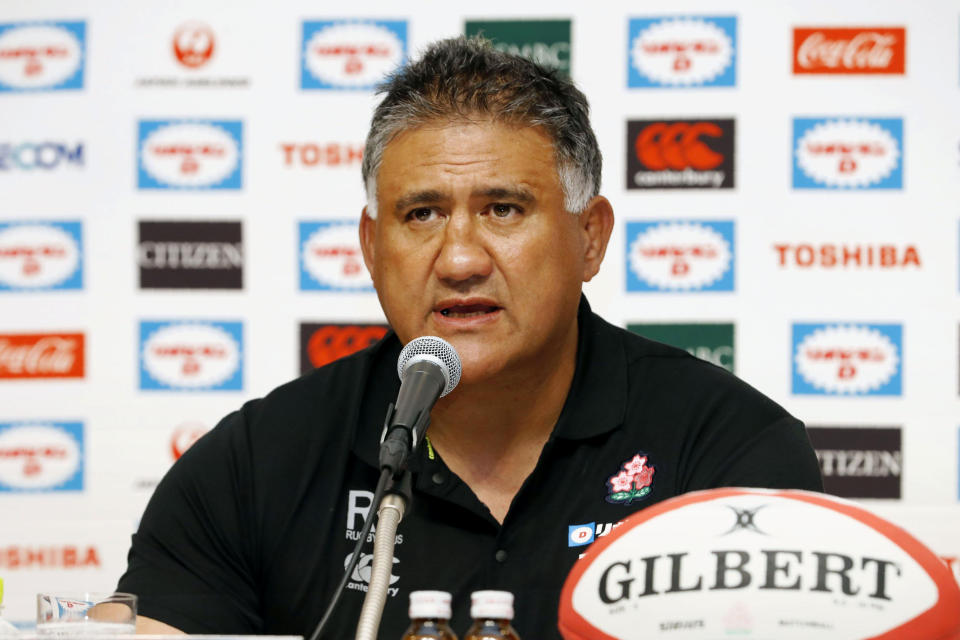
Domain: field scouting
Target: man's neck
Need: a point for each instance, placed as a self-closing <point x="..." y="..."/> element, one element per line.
<point x="491" y="435"/>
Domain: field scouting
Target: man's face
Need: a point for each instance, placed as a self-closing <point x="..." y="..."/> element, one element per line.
<point x="472" y="244"/>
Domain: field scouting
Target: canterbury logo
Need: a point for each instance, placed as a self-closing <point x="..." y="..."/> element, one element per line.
<point x="678" y="146"/>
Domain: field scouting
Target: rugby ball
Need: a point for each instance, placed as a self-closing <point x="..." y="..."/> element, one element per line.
<point x="756" y="563"/>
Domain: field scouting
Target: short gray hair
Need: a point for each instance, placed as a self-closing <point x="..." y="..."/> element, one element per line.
<point x="460" y="78"/>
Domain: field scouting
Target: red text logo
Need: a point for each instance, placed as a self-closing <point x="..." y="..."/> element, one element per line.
<point x="869" y="50"/>
<point x="39" y="355"/>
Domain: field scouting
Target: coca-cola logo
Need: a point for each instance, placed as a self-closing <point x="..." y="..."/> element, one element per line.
<point x="351" y="55"/>
<point x="36" y="56"/>
<point x="193" y="44"/>
<point x="680" y="256"/>
<point x="330" y="257"/>
<point x="847" y="359"/>
<point x="185" y="436"/>
<point x="40" y="256"/>
<point x="44" y="456"/>
<point x="672" y="52"/>
<point x="197" y="154"/>
<point x="848" y="153"/>
<point x="38" y="355"/>
<point x="867" y="50"/>
<point x="191" y="356"/>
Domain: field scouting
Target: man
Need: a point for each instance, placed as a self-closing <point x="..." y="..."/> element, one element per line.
<point x="482" y="222"/>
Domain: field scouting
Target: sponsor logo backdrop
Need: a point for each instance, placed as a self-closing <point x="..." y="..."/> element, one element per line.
<point x="178" y="229"/>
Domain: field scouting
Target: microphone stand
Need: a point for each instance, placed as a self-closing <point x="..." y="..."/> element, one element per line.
<point x="389" y="515"/>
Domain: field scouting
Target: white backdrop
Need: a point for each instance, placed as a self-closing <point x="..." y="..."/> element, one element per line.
<point x="76" y="500"/>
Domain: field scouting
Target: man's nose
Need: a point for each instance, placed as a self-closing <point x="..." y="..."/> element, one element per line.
<point x="463" y="254"/>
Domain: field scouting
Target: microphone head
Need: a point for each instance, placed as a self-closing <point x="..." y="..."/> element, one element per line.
<point x="436" y="350"/>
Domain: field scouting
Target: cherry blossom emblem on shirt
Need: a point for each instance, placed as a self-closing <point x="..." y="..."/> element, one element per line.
<point x="632" y="482"/>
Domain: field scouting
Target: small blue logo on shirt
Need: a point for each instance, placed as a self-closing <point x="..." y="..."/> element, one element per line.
<point x="579" y="535"/>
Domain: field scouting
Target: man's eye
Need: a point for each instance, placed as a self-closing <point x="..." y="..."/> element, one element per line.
<point x="504" y="210"/>
<point x="420" y="215"/>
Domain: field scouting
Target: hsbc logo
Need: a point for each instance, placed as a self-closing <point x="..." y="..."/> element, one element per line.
<point x="351" y="54"/>
<point x="190" y="154"/>
<point x="680" y="154"/>
<point x="848" y="153"/>
<point x="191" y="356"/>
<point x="684" y="51"/>
<point x="687" y="256"/>
<point x="42" y="56"/>
<point x="861" y="50"/>
<point x="330" y="257"/>
<point x="36" y="256"/>
<point x="41" y="456"/>
<point x="847" y="359"/>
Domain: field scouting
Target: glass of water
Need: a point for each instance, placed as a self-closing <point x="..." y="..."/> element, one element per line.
<point x="73" y="614"/>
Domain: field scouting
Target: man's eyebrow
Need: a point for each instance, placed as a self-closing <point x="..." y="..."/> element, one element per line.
<point x="432" y="196"/>
<point x="429" y="196"/>
<point x="516" y="194"/>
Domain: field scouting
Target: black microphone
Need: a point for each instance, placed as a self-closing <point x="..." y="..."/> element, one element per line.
<point x="429" y="368"/>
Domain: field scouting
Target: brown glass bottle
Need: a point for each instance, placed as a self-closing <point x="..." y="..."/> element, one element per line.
<point x="492" y="612"/>
<point x="429" y="616"/>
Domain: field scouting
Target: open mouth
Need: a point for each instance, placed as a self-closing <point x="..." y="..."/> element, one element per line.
<point x="468" y="310"/>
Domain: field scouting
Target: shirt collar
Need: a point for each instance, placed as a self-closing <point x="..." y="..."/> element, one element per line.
<point x="595" y="404"/>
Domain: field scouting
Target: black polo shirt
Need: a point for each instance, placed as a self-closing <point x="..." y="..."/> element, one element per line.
<point x="250" y="530"/>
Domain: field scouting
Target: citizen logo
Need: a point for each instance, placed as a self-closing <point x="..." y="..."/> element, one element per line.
<point x="859" y="462"/>
<point x="190" y="255"/>
<point x="853" y="463"/>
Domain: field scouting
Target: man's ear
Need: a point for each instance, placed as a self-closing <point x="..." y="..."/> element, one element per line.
<point x="368" y="233"/>
<point x="596" y="223"/>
